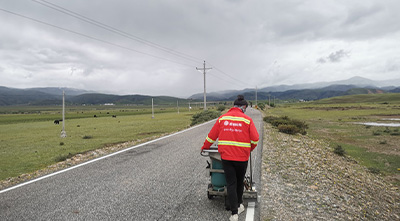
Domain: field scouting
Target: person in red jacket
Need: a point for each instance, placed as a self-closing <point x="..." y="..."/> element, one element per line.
<point x="237" y="136"/>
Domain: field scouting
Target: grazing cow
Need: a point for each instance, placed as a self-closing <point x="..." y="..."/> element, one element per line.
<point x="57" y="121"/>
<point x="95" y="115"/>
<point x="114" y="116"/>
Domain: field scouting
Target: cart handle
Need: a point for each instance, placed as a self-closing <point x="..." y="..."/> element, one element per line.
<point x="206" y="152"/>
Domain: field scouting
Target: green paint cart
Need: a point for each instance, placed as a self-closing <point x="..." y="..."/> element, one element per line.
<point x="217" y="186"/>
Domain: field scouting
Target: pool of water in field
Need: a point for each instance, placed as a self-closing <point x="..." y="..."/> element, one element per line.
<point x="378" y="124"/>
<point x="381" y="124"/>
<point x="394" y="119"/>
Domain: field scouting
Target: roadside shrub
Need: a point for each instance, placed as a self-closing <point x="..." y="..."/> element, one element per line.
<point x="276" y="121"/>
<point x="87" y="137"/>
<point x="281" y="121"/>
<point x="286" y="125"/>
<point x="395" y="134"/>
<point x="288" y="129"/>
<point x="204" y="116"/>
<point x="269" y="119"/>
<point x="261" y="106"/>
<point x="63" y="157"/>
<point x="221" y="108"/>
<point x="300" y="124"/>
<point x="339" y="150"/>
<point x="383" y="142"/>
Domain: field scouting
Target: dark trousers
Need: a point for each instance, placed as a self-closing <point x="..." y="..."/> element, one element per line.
<point x="234" y="175"/>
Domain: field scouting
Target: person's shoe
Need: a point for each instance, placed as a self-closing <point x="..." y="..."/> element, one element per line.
<point x="241" y="209"/>
<point x="234" y="218"/>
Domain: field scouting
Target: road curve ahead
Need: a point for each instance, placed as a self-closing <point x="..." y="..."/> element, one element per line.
<point x="162" y="180"/>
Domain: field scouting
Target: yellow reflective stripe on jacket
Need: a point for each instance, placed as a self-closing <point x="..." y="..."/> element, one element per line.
<point x="254" y="142"/>
<point x="235" y="119"/>
<point x="233" y="143"/>
<point x="210" y="140"/>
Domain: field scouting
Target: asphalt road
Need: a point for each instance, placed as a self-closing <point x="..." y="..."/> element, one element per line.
<point x="162" y="180"/>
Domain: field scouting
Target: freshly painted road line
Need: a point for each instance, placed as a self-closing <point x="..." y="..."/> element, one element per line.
<point x="250" y="211"/>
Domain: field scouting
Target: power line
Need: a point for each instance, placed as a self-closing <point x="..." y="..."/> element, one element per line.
<point x="114" y="30"/>
<point x="122" y="33"/>
<point x="125" y="34"/>
<point x="226" y="80"/>
<point x="93" y="38"/>
<point x="235" y="79"/>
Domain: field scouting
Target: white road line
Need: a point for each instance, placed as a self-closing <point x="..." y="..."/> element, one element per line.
<point x="250" y="211"/>
<point x="100" y="158"/>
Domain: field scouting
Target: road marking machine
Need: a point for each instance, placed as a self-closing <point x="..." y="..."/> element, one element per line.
<point x="217" y="187"/>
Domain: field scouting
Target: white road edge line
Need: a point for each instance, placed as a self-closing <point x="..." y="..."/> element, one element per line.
<point x="250" y="211"/>
<point x="100" y="158"/>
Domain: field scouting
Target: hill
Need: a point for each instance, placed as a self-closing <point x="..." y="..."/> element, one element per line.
<point x="53" y="96"/>
<point x="304" y="94"/>
<point x="389" y="98"/>
<point x="12" y="96"/>
<point x="314" y="91"/>
<point x="59" y="90"/>
<point x="95" y="98"/>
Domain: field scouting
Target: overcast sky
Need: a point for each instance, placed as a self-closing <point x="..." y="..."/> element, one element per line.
<point x="153" y="47"/>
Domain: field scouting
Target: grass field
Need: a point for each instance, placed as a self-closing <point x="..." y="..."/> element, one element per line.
<point x="30" y="140"/>
<point x="338" y="119"/>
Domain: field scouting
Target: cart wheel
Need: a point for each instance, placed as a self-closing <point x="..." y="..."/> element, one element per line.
<point x="208" y="192"/>
<point x="210" y="197"/>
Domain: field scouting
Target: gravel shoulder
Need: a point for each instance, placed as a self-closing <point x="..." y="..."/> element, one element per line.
<point x="304" y="180"/>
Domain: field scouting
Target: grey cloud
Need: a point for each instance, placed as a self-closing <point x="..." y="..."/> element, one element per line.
<point x="361" y="14"/>
<point x="334" y="57"/>
<point x="241" y="38"/>
<point x="321" y="60"/>
<point x="392" y="65"/>
<point x="337" y="56"/>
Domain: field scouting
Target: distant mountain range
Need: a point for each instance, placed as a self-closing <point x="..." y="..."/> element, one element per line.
<point x="53" y="96"/>
<point x="314" y="91"/>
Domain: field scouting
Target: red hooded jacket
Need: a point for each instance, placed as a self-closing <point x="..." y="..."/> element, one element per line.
<point x="236" y="134"/>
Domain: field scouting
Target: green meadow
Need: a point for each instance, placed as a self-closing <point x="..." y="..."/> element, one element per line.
<point x="339" y="121"/>
<point x="29" y="140"/>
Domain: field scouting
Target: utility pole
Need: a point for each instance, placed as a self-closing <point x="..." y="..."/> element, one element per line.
<point x="152" y="109"/>
<point x="256" y="98"/>
<point x="269" y="99"/>
<point x="63" y="133"/>
<point x="204" y="72"/>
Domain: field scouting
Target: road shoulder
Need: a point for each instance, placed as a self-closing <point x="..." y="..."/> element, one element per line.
<point x="304" y="180"/>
